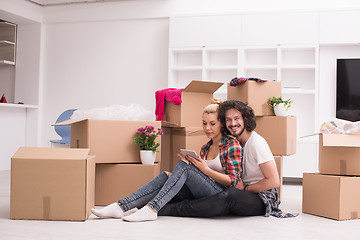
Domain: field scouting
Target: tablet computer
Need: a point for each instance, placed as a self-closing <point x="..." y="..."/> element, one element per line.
<point x="192" y="153"/>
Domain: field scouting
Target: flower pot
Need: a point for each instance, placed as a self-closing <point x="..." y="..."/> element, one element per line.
<point x="280" y="110"/>
<point x="147" y="157"/>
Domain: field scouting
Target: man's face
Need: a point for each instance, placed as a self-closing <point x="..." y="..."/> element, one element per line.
<point x="234" y="122"/>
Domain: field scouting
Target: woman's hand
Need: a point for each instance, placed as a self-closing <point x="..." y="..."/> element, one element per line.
<point x="183" y="158"/>
<point x="198" y="163"/>
<point x="240" y="185"/>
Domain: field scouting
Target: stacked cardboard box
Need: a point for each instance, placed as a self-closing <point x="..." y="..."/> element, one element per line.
<point x="334" y="192"/>
<point x="119" y="170"/>
<point x="279" y="132"/>
<point x="52" y="184"/>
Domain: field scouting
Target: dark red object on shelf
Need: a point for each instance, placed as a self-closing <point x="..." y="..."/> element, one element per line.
<point x="3" y="99"/>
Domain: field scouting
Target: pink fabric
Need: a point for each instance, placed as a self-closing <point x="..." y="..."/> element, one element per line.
<point x="169" y="94"/>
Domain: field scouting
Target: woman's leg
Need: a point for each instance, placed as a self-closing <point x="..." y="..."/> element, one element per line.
<point x="198" y="183"/>
<point x="137" y="199"/>
<point x="230" y="201"/>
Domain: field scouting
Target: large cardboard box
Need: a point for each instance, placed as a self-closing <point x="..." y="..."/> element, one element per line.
<point x="191" y="138"/>
<point x="279" y="132"/>
<point x="195" y="97"/>
<point x="279" y="165"/>
<point x="331" y="196"/>
<point x="116" y="181"/>
<point x="52" y="184"/>
<point x="256" y="95"/>
<point x="112" y="140"/>
<point x="339" y="154"/>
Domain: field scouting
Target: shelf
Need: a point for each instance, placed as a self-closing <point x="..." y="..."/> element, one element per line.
<point x="297" y="91"/>
<point x="4" y="42"/>
<point x="300" y="67"/>
<point x="186" y="68"/>
<point x="259" y="67"/>
<point x="13" y="105"/>
<point x="7" y="62"/>
<point x="222" y="68"/>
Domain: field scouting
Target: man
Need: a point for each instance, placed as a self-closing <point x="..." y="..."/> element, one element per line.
<point x="256" y="194"/>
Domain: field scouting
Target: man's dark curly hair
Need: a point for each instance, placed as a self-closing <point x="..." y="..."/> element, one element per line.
<point x="246" y="111"/>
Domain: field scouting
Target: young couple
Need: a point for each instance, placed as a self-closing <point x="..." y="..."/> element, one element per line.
<point x="218" y="182"/>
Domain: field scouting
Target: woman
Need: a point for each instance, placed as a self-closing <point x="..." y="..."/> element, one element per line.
<point x="217" y="168"/>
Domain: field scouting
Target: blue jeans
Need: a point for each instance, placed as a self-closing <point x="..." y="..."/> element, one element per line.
<point x="185" y="182"/>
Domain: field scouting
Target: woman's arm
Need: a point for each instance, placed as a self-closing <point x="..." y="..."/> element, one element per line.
<point x="221" y="178"/>
<point x="271" y="179"/>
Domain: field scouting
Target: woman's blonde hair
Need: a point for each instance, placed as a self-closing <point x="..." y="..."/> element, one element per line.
<point x="213" y="107"/>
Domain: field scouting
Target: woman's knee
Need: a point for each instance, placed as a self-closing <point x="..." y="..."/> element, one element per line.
<point x="168" y="173"/>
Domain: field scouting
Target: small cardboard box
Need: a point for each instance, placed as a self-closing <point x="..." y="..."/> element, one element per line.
<point x="256" y="95"/>
<point x="191" y="138"/>
<point x="116" y="181"/>
<point x="52" y="184"/>
<point x="339" y="154"/>
<point x="195" y="97"/>
<point x="279" y="132"/>
<point x="279" y="165"/>
<point x="112" y="140"/>
<point x="336" y="197"/>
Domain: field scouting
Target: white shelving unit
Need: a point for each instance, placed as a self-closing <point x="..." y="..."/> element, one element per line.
<point x="7" y="43"/>
<point x="296" y="66"/>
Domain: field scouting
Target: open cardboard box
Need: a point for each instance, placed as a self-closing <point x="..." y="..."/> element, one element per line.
<point x="331" y="196"/>
<point x="339" y="154"/>
<point x="52" y="184"/>
<point x="195" y="97"/>
<point x="256" y="95"/>
<point x="279" y="132"/>
<point x="112" y="140"/>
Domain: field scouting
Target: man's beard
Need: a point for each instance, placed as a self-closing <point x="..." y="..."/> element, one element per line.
<point x="241" y="132"/>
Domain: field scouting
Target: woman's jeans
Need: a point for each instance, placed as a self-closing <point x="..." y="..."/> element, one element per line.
<point x="185" y="182"/>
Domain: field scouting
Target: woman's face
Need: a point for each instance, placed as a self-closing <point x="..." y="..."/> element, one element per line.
<point x="211" y="125"/>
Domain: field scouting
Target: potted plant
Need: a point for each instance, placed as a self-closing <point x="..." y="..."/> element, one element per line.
<point x="279" y="105"/>
<point x="145" y="139"/>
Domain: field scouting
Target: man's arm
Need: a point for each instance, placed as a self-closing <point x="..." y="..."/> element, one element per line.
<point x="271" y="179"/>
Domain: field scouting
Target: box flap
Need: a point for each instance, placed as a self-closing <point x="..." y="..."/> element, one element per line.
<point x="202" y="86"/>
<point x="51" y="153"/>
<point x="169" y="124"/>
<point x="341" y="140"/>
<point x="68" y="122"/>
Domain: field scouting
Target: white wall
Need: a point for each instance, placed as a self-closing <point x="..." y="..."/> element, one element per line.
<point x="95" y="64"/>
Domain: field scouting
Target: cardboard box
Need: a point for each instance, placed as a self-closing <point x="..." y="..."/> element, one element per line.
<point x="52" y="184"/>
<point x="279" y="165"/>
<point x="116" y="181"/>
<point x="256" y="95"/>
<point x="279" y="132"/>
<point x="339" y="154"/>
<point x="112" y="140"/>
<point x="336" y="197"/>
<point x="195" y="97"/>
<point x="191" y="138"/>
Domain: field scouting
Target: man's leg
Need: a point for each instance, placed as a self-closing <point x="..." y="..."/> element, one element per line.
<point x="231" y="201"/>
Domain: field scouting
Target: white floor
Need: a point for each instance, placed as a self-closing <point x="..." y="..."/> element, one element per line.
<point x="302" y="227"/>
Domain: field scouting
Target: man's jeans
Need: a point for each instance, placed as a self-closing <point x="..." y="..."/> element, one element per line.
<point x="185" y="182"/>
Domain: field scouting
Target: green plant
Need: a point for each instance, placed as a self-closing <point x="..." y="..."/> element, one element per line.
<point x="275" y="101"/>
<point x="145" y="138"/>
